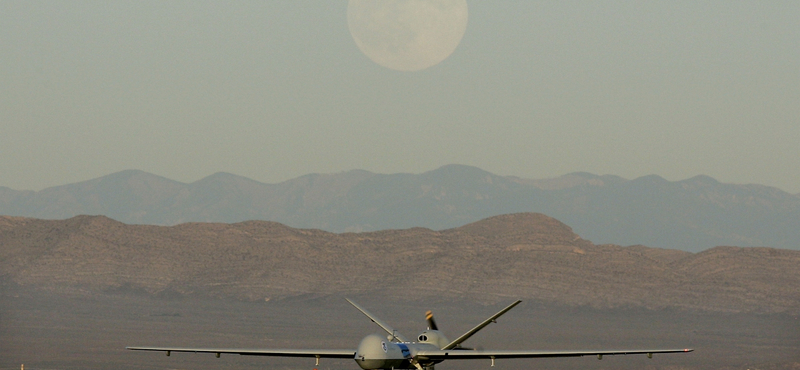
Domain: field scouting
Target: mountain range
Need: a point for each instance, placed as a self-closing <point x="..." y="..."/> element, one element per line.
<point x="692" y="215"/>
<point x="526" y="256"/>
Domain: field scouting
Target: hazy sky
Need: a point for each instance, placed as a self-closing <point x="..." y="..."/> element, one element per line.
<point x="272" y="90"/>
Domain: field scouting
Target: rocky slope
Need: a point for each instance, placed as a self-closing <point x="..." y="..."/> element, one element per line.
<point x="529" y="256"/>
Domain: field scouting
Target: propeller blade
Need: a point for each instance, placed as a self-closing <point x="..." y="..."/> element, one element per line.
<point x="431" y="322"/>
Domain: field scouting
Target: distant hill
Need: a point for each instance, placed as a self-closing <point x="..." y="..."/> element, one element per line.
<point x="527" y="256"/>
<point x="692" y="215"/>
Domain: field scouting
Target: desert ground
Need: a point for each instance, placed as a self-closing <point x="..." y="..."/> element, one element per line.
<point x="45" y="330"/>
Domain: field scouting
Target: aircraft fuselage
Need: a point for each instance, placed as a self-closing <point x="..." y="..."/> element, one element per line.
<point x="378" y="352"/>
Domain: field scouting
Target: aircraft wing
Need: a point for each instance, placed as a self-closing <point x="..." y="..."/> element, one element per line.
<point x="318" y="353"/>
<point x="469" y="354"/>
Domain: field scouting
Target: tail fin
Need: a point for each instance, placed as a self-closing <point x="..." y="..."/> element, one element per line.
<point x="480" y="326"/>
<point x="395" y="336"/>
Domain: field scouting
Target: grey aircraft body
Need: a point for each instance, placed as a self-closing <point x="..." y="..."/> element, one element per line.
<point x="397" y="352"/>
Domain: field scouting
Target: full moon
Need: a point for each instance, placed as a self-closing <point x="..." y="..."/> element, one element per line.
<point x="407" y="35"/>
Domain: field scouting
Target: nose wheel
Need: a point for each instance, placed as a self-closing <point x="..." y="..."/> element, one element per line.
<point x="420" y="367"/>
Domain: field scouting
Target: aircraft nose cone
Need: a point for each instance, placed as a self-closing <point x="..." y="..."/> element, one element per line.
<point x="372" y="352"/>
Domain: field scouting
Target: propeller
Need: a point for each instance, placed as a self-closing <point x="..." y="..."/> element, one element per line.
<point x="431" y="322"/>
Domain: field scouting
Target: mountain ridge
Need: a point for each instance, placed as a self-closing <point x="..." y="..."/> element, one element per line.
<point x="692" y="214"/>
<point x="525" y="255"/>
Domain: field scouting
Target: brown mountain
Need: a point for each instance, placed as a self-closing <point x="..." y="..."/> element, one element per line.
<point x="528" y="256"/>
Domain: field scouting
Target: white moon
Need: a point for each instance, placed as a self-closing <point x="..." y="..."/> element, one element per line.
<point x="407" y="35"/>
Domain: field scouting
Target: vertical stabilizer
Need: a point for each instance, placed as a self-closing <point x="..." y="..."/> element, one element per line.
<point x="480" y="326"/>
<point x="395" y="335"/>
